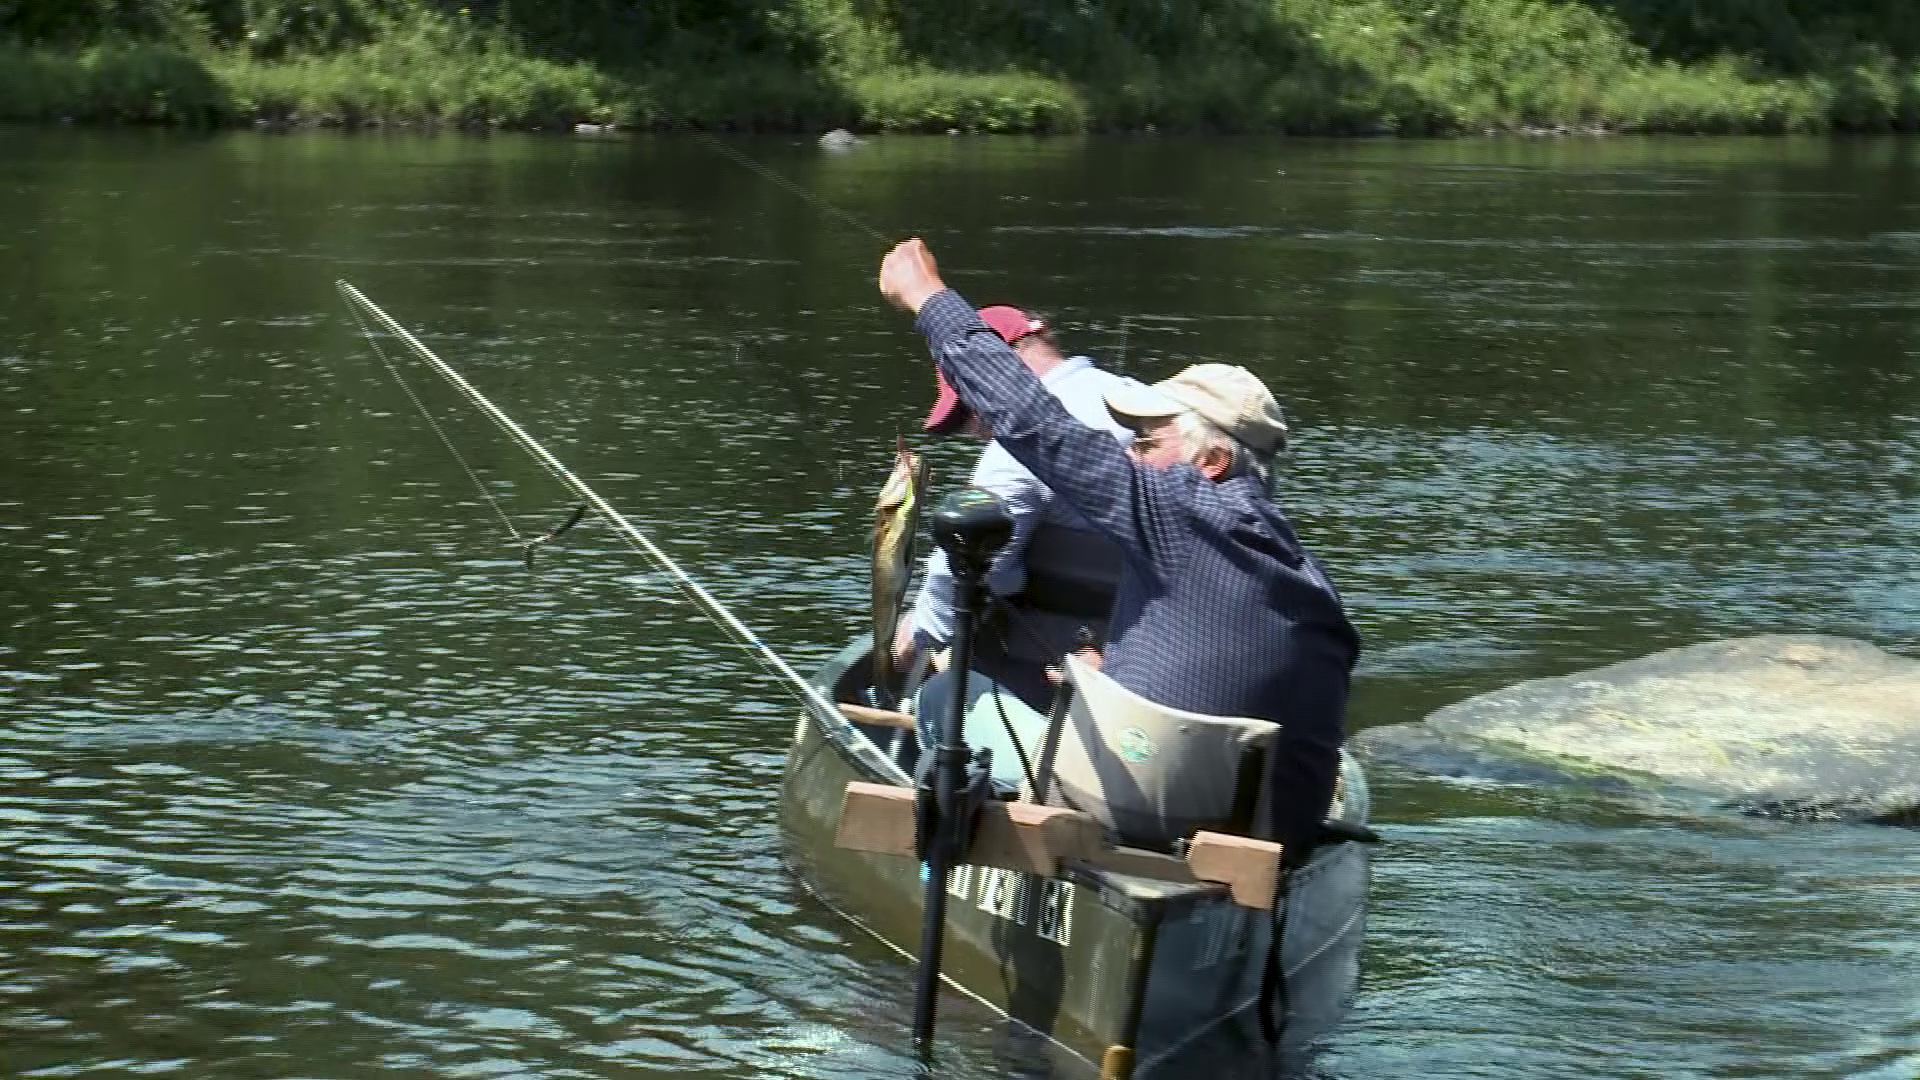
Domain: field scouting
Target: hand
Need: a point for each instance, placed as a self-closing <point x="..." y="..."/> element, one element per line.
<point x="1090" y="656"/>
<point x="908" y="275"/>
<point x="903" y="646"/>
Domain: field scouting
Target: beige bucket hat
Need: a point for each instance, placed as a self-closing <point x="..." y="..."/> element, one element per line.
<point x="1231" y="398"/>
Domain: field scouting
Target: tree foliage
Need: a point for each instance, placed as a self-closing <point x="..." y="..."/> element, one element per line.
<point x="1072" y="38"/>
<point x="1791" y="36"/>
<point x="1299" y="65"/>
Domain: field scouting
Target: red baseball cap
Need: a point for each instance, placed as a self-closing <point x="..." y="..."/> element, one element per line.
<point x="949" y="414"/>
<point x="1010" y="323"/>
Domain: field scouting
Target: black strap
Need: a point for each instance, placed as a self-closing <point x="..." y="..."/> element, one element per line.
<point x="1273" y="976"/>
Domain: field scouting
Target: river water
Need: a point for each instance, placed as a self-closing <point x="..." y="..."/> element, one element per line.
<point x="304" y="774"/>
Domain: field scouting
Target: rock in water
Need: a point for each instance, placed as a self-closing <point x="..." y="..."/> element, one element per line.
<point x="838" y="140"/>
<point x="1798" y="726"/>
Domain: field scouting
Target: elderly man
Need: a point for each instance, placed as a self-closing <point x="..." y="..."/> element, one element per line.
<point x="1054" y="580"/>
<point x="1220" y="610"/>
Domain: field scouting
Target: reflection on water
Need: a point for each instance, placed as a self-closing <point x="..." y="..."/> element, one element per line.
<point x="305" y="774"/>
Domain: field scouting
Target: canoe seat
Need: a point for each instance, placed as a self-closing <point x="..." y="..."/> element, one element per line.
<point x="1154" y="775"/>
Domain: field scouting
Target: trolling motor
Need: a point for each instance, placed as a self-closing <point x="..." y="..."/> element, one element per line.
<point x="970" y="525"/>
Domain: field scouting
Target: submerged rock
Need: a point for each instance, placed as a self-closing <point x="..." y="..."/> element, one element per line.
<point x="1799" y="726"/>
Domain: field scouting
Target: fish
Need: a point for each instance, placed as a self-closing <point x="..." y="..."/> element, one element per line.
<point x="896" y="521"/>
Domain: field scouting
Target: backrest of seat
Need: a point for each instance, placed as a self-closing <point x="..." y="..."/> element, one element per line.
<point x="1149" y="773"/>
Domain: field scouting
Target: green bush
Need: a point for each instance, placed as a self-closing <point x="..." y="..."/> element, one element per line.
<point x="429" y="71"/>
<point x="1716" y="98"/>
<point x="747" y="97"/>
<point x="923" y="100"/>
<point x="118" y="81"/>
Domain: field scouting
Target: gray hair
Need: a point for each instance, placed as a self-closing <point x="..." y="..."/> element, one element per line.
<point x="1199" y="435"/>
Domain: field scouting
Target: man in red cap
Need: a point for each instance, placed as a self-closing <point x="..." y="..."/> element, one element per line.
<point x="1053" y="582"/>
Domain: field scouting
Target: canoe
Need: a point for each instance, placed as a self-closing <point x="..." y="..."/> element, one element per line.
<point x="1119" y="973"/>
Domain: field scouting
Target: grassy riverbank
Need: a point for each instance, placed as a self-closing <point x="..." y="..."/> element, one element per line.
<point x="1303" y="66"/>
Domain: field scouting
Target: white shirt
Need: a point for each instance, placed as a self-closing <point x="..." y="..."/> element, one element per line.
<point x="1082" y="388"/>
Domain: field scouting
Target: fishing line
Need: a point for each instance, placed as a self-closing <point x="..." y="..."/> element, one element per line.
<point x="774" y="177"/>
<point x="421" y="407"/>
<point x="805" y="692"/>
<point x="806" y="196"/>
<point x="779" y="180"/>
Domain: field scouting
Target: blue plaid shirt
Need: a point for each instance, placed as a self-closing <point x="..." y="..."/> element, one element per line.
<point x="1220" y="610"/>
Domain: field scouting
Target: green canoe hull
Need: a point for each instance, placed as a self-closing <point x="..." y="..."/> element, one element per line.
<point x="1091" y="959"/>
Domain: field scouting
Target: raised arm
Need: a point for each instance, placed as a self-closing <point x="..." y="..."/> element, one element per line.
<point x="1138" y="507"/>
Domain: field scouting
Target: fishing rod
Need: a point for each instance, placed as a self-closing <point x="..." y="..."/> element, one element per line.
<point x="949" y="794"/>
<point x="808" y="694"/>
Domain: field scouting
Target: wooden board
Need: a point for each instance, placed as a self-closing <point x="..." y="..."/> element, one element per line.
<point x="1033" y="838"/>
